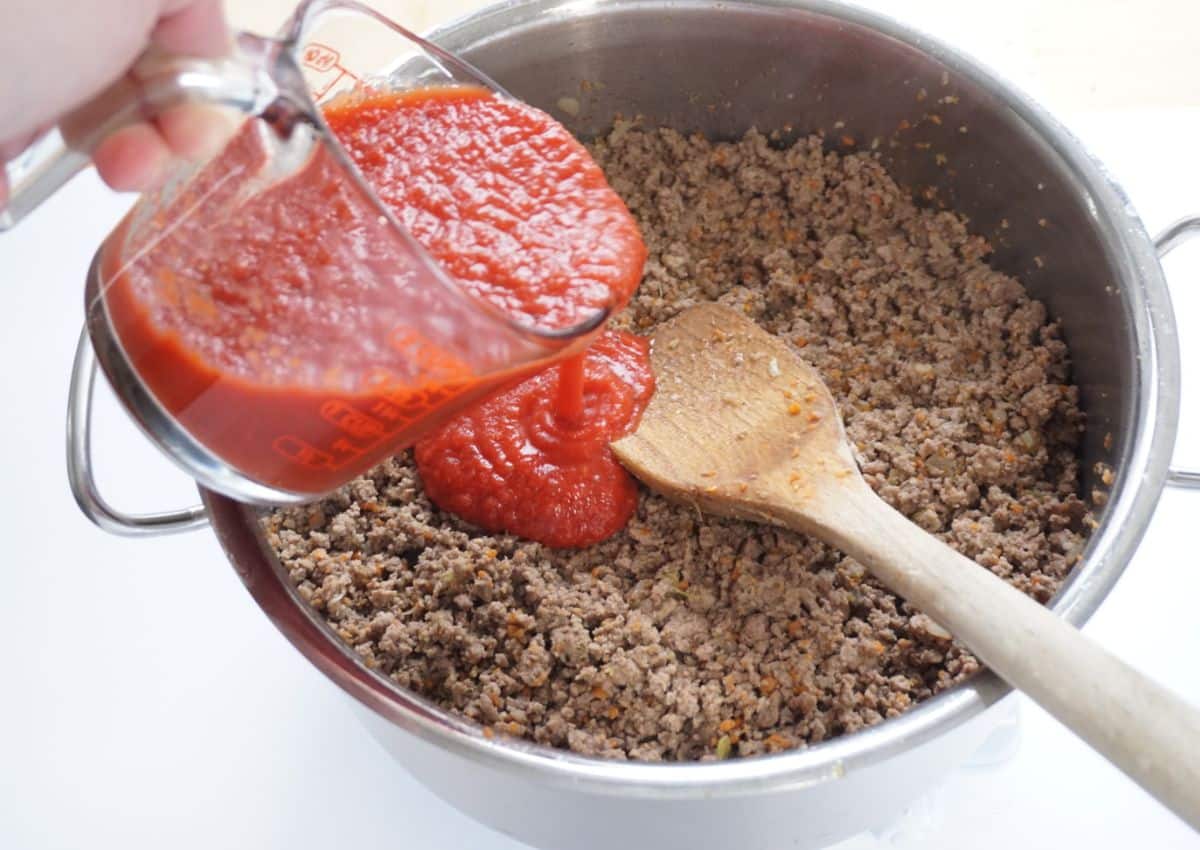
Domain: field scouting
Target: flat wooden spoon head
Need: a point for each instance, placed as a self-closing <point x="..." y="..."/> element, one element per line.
<point x="739" y="425"/>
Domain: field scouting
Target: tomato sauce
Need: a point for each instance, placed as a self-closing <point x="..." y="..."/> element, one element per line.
<point x="516" y="463"/>
<point x="267" y="335"/>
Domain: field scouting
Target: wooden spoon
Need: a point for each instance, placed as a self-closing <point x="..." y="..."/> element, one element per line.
<point x="739" y="426"/>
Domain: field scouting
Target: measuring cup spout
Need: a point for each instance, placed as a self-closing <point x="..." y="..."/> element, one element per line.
<point x="255" y="77"/>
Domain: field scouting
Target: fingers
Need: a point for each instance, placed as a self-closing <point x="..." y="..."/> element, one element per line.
<point x="139" y="157"/>
<point x="197" y="131"/>
<point x="133" y="159"/>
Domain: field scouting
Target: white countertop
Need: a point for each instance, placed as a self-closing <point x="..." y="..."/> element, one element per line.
<point x="147" y="703"/>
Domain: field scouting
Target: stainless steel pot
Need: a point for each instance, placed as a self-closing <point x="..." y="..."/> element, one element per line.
<point x="954" y="134"/>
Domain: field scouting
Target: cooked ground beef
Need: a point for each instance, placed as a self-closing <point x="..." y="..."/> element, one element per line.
<point x="688" y="637"/>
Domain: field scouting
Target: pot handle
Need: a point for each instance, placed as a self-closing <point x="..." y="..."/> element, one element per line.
<point x="1171" y="238"/>
<point x="79" y="463"/>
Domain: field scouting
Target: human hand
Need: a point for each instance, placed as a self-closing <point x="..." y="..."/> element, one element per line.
<point x="55" y="55"/>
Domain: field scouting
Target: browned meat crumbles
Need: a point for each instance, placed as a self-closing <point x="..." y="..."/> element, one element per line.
<point x="686" y="637"/>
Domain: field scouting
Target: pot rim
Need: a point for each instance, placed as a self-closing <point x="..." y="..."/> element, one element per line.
<point x="1141" y="475"/>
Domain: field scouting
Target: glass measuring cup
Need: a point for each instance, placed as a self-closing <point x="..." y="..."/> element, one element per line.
<point x="373" y="385"/>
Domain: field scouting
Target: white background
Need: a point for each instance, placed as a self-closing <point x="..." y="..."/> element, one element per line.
<point x="146" y="703"/>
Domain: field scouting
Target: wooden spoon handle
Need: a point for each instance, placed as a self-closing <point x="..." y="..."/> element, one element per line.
<point x="1147" y="731"/>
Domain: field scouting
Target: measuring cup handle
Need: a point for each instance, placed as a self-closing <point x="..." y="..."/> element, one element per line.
<point x="255" y="77"/>
<point x="79" y="463"/>
<point x="1181" y="231"/>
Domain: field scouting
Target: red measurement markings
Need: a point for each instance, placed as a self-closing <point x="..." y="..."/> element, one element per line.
<point x="393" y="404"/>
<point x="324" y="60"/>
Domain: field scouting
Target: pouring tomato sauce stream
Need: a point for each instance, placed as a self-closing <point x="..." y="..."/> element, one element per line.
<point x="514" y="209"/>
